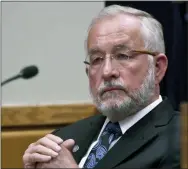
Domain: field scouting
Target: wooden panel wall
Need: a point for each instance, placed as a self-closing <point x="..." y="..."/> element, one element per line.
<point x="14" y="143"/>
<point x="24" y="125"/>
<point x="45" y="115"/>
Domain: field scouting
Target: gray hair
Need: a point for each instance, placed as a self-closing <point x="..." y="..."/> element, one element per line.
<point x="151" y="31"/>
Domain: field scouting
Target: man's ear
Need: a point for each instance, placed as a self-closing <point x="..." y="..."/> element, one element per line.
<point x="161" y="64"/>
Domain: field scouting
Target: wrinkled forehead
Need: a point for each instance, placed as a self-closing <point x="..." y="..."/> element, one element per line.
<point x="112" y="31"/>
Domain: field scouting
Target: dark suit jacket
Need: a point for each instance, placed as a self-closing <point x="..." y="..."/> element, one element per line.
<point x="153" y="142"/>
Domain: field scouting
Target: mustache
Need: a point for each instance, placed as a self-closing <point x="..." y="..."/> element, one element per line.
<point x="111" y="84"/>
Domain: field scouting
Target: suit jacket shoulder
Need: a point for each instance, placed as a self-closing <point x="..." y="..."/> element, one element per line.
<point x="79" y="127"/>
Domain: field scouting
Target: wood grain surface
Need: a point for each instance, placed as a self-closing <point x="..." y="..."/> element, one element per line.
<point x="14" y="144"/>
<point x="45" y="115"/>
<point x="23" y="125"/>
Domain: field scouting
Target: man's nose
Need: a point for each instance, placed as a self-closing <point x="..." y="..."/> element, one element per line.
<point x="108" y="69"/>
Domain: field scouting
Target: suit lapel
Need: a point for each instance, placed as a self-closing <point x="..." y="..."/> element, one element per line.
<point x="142" y="133"/>
<point x="85" y="135"/>
<point x="129" y="144"/>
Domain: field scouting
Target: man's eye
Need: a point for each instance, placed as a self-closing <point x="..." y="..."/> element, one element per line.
<point x="122" y="56"/>
<point x="96" y="60"/>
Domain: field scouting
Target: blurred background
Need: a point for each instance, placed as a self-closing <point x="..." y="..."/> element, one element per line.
<point x="51" y="36"/>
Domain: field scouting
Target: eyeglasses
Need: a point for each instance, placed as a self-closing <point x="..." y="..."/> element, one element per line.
<point x="96" y="60"/>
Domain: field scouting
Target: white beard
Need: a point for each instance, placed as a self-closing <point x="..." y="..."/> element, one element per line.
<point x="117" y="109"/>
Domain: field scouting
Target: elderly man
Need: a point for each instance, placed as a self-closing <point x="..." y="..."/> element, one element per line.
<point x="136" y="127"/>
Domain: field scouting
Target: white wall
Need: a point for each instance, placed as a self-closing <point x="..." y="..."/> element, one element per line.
<point x="50" y="35"/>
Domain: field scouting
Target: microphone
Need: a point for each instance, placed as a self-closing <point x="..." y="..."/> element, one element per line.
<point x="25" y="73"/>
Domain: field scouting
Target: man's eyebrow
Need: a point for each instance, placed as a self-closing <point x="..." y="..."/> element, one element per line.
<point x="94" y="50"/>
<point x="121" y="46"/>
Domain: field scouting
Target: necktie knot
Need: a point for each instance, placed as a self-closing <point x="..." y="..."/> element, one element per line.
<point x="112" y="128"/>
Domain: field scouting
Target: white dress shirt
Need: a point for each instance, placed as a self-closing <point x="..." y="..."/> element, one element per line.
<point x="124" y="125"/>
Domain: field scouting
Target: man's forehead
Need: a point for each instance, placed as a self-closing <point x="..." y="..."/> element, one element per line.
<point x="116" y="36"/>
<point x="113" y="32"/>
<point x="119" y="23"/>
<point x="115" y="40"/>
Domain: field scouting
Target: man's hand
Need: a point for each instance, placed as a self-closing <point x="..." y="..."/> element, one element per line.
<point x="43" y="150"/>
<point x="64" y="159"/>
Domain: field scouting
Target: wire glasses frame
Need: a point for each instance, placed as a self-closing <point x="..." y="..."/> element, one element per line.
<point x="137" y="51"/>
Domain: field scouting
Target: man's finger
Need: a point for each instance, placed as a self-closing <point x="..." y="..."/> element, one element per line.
<point x="35" y="157"/>
<point x="54" y="138"/>
<point x="49" y="143"/>
<point x="69" y="144"/>
<point x="43" y="150"/>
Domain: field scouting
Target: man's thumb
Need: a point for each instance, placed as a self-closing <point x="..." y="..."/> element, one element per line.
<point x="69" y="144"/>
